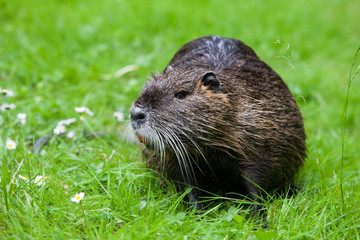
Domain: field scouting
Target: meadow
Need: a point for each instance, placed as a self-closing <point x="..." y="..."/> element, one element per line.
<point x="58" y="55"/>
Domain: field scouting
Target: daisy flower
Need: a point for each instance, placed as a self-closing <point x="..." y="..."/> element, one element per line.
<point x="70" y="134"/>
<point x="6" y="107"/>
<point x="39" y="180"/>
<point x="119" y="116"/>
<point x="67" y="121"/>
<point x="59" y="129"/>
<point x="8" y="93"/>
<point x="80" y="109"/>
<point x="22" y="118"/>
<point x="10" y="144"/>
<point x="24" y="178"/>
<point x="78" y="197"/>
<point x="84" y="110"/>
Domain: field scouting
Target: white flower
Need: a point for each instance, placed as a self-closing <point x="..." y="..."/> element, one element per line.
<point x="6" y="107"/>
<point x="39" y="180"/>
<point x="67" y="121"/>
<point x="8" y="93"/>
<point x="10" y="144"/>
<point x="78" y="197"/>
<point x="119" y="116"/>
<point x="70" y="134"/>
<point x="84" y="110"/>
<point x="22" y="118"/>
<point x="24" y="178"/>
<point x="80" y="109"/>
<point x="142" y="204"/>
<point x="59" y="129"/>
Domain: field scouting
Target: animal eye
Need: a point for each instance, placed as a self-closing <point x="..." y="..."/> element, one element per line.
<point x="181" y="94"/>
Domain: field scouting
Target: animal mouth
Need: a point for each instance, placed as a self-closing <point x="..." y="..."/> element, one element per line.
<point x="141" y="138"/>
<point x="146" y="142"/>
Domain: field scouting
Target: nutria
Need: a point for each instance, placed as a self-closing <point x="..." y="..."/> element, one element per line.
<point x="219" y="118"/>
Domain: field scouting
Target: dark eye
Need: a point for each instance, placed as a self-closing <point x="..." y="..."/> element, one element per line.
<point x="181" y="94"/>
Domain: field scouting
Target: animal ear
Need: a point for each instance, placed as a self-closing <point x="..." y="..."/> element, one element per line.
<point x="209" y="79"/>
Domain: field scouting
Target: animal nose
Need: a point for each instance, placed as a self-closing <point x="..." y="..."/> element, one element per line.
<point x="138" y="115"/>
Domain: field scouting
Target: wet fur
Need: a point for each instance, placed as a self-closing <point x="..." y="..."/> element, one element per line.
<point x="242" y="137"/>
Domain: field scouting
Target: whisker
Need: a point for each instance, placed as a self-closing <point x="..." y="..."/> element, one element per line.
<point x="170" y="141"/>
<point x="186" y="158"/>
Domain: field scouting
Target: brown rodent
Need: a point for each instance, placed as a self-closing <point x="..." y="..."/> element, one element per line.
<point x="219" y="118"/>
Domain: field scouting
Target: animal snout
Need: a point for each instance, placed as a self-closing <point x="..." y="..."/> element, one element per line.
<point x="138" y="115"/>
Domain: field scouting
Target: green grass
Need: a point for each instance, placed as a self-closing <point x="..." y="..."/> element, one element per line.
<point x="55" y="56"/>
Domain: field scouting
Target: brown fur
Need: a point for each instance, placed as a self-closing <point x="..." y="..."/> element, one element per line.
<point x="241" y="136"/>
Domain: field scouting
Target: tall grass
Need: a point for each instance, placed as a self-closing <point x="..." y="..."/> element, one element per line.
<point x="352" y="75"/>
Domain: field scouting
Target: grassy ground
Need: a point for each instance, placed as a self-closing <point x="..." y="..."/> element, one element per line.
<point x="57" y="55"/>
